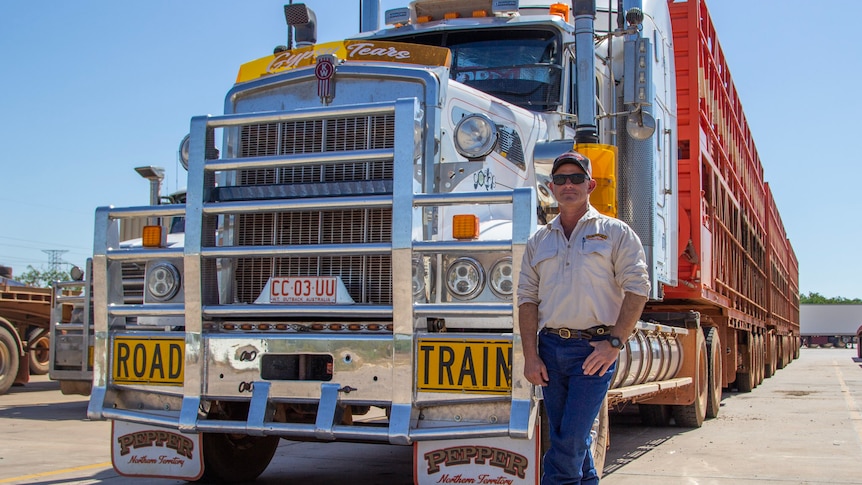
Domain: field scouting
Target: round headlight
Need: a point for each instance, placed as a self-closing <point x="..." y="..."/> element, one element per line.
<point x="184" y="151"/>
<point x="501" y="278"/>
<point x="475" y="136"/>
<point x="465" y="278"/>
<point x="418" y="277"/>
<point x="163" y="281"/>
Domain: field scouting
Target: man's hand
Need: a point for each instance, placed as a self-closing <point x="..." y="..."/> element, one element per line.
<point x="603" y="357"/>
<point x="535" y="370"/>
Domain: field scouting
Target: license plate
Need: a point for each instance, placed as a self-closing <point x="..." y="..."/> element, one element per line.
<point x="157" y="361"/>
<point x="461" y="365"/>
<point x="303" y="289"/>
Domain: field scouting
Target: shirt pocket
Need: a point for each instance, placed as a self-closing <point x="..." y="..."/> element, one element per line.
<point x="596" y="262"/>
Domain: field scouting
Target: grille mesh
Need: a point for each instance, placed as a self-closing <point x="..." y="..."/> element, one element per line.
<point x="368" y="278"/>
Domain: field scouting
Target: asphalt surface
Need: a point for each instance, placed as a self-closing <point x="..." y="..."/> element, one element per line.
<point x="802" y="426"/>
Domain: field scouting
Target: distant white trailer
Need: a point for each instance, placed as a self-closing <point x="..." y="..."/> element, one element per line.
<point x="830" y="320"/>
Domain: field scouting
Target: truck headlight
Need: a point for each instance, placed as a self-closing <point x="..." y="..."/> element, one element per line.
<point x="475" y="136"/>
<point x="465" y="278"/>
<point x="163" y="281"/>
<point x="418" y="277"/>
<point x="501" y="278"/>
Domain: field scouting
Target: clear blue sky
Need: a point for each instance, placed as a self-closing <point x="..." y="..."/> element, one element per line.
<point x="91" y="89"/>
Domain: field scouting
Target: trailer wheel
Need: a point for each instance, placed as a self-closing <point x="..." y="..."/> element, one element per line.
<point x="716" y="369"/>
<point x="9" y="360"/>
<point x="600" y="433"/>
<point x="39" y="355"/>
<point x="771" y="354"/>
<point x="745" y="381"/>
<point x="232" y="458"/>
<point x="692" y="415"/>
<point x="655" y="415"/>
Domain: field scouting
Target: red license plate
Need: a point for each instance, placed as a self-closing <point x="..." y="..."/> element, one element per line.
<point x="303" y="289"/>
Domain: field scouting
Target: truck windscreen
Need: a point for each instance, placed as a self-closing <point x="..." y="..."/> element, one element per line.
<point x="521" y="67"/>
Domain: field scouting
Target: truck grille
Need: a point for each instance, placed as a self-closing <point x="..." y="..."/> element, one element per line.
<point x="368" y="278"/>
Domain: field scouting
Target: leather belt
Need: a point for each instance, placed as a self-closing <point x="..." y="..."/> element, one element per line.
<point x="589" y="333"/>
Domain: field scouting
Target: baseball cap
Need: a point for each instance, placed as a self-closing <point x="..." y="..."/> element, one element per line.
<point x="573" y="157"/>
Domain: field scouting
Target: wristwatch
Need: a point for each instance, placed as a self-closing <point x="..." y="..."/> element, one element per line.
<point x="616" y="342"/>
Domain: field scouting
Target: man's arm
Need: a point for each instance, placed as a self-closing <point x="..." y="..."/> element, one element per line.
<point x="604" y="354"/>
<point x="528" y="323"/>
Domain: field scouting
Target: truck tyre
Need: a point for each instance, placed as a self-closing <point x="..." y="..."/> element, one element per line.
<point x="655" y="415"/>
<point x="692" y="415"/>
<point x="716" y="371"/>
<point x="600" y="432"/>
<point x="232" y="458"/>
<point x="9" y="360"/>
<point x="745" y="381"/>
<point x="599" y="447"/>
<point x="39" y="355"/>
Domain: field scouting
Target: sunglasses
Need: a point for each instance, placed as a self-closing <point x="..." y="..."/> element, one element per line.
<point x="575" y="178"/>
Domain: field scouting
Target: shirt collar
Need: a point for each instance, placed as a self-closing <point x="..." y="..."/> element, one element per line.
<point x="591" y="213"/>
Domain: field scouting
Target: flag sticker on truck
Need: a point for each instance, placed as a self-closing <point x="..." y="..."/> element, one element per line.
<point x="464" y="365"/>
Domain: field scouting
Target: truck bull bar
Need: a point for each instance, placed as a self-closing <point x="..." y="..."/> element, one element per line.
<point x="110" y="309"/>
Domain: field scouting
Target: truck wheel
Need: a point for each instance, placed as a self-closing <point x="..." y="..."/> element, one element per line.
<point x="232" y="458"/>
<point x="655" y="415"/>
<point x="692" y="415"/>
<point x="599" y="447"/>
<point x="9" y="360"/>
<point x="600" y="432"/>
<point x="39" y="353"/>
<point x="745" y="381"/>
<point x="716" y="369"/>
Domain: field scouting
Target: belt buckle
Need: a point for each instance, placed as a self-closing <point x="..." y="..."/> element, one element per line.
<point x="564" y="333"/>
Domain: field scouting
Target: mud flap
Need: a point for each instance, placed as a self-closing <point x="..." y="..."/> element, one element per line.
<point x="480" y="460"/>
<point x="149" y="451"/>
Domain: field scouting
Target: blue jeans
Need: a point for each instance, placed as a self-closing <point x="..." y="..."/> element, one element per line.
<point x="572" y="402"/>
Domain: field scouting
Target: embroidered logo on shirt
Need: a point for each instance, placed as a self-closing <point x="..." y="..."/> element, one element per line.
<point x="597" y="237"/>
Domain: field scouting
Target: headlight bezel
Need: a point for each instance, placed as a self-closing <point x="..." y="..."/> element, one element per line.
<point x="472" y="265"/>
<point x="495" y="284"/>
<point x="167" y="269"/>
<point x="476" y="127"/>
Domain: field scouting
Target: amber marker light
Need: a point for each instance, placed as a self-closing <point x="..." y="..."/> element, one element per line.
<point x="480" y="13"/>
<point x="422" y="19"/>
<point x="451" y="15"/>
<point x="152" y="236"/>
<point x="465" y="226"/>
<point x="560" y="9"/>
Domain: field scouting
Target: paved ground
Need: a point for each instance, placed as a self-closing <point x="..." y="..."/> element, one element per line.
<point x="803" y="426"/>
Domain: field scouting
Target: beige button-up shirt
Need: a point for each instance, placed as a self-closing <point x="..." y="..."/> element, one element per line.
<point x="580" y="282"/>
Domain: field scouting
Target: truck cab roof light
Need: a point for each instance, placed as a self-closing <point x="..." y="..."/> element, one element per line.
<point x="397" y="16"/>
<point x="451" y="15"/>
<point x="505" y="7"/>
<point x="423" y="19"/>
<point x="560" y="9"/>
<point x="480" y="13"/>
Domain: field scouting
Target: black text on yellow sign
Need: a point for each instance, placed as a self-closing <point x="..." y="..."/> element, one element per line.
<point x="477" y="366"/>
<point x="156" y="361"/>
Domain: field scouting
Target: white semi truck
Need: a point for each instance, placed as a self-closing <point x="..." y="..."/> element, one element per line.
<point x="353" y="248"/>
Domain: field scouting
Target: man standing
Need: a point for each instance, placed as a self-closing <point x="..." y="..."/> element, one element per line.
<point x="583" y="285"/>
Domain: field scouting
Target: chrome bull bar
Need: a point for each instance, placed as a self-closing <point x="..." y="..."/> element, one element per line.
<point x="197" y="307"/>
